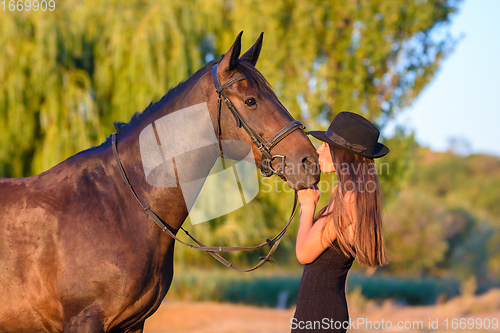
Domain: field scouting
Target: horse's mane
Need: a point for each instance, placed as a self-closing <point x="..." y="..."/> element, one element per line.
<point x="171" y="94"/>
<point x="254" y="79"/>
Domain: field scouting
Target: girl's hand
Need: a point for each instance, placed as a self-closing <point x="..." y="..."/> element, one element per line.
<point x="309" y="196"/>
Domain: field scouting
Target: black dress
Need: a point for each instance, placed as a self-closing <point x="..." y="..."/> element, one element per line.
<point x="321" y="303"/>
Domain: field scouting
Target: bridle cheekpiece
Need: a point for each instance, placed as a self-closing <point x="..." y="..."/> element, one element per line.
<point x="262" y="144"/>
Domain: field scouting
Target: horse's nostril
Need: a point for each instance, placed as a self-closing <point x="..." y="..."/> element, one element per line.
<point x="309" y="165"/>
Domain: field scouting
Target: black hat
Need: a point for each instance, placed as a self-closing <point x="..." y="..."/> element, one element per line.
<point x="353" y="133"/>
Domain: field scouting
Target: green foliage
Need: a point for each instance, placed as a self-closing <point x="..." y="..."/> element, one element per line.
<point x="470" y="182"/>
<point x="468" y="253"/>
<point x="396" y="168"/>
<point x="412" y="291"/>
<point x="264" y="291"/>
<point x="443" y="222"/>
<point x="66" y="75"/>
<point x="414" y="233"/>
<point x="263" y="288"/>
<point x="471" y="258"/>
<point x="370" y="57"/>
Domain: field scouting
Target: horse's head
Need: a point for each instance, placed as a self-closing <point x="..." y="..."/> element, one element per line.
<point x="251" y="112"/>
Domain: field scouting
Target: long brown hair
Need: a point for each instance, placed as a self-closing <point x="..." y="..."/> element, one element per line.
<point x="357" y="174"/>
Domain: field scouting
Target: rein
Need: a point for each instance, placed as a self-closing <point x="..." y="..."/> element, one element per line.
<point x="266" y="170"/>
<point x="209" y="249"/>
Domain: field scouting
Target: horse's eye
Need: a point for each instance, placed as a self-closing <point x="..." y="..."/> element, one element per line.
<point x="251" y="102"/>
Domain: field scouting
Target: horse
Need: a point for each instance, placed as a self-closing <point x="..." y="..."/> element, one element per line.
<point x="79" y="254"/>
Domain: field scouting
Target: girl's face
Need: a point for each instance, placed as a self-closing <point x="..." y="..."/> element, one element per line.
<point x="325" y="158"/>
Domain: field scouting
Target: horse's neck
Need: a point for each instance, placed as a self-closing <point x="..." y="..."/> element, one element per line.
<point x="169" y="177"/>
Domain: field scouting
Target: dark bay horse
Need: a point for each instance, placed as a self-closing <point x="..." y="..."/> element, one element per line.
<point x="79" y="254"/>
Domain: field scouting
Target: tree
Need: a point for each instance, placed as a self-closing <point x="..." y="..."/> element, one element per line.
<point x="68" y="74"/>
<point x="372" y="57"/>
<point x="414" y="233"/>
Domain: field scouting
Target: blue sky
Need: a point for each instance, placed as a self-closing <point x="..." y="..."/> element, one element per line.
<point x="462" y="99"/>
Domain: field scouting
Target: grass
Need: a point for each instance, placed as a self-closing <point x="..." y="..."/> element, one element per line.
<point x="268" y="288"/>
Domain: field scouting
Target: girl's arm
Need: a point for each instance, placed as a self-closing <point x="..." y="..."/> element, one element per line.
<point x="309" y="243"/>
<point x="310" y="240"/>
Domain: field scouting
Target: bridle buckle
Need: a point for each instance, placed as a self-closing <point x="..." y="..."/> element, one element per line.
<point x="267" y="168"/>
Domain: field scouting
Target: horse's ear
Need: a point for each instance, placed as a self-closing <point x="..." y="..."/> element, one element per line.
<point x="230" y="59"/>
<point x="252" y="55"/>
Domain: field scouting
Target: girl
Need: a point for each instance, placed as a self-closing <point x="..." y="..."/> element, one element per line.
<point x="349" y="226"/>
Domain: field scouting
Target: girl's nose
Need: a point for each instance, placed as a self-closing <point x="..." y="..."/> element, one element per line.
<point x="320" y="148"/>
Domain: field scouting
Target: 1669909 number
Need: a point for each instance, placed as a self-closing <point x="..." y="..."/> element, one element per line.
<point x="471" y="323"/>
<point x="28" y="5"/>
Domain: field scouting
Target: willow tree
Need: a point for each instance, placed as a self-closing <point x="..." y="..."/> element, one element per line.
<point x="66" y="75"/>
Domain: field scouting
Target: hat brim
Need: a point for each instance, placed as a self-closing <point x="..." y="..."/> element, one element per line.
<point x="379" y="150"/>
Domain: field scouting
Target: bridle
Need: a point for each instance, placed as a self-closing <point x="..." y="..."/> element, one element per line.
<point x="266" y="170"/>
<point x="264" y="146"/>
